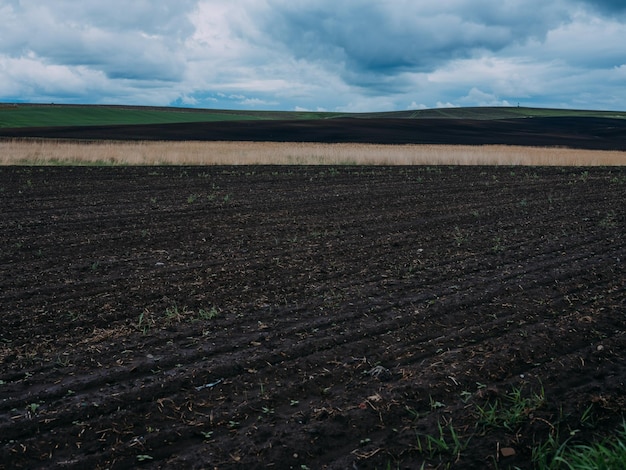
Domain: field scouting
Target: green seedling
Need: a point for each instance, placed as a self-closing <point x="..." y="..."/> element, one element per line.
<point x="63" y="360"/>
<point x="498" y="246"/>
<point x="458" y="236"/>
<point x="73" y="316"/>
<point x="609" y="220"/>
<point x="436" y="404"/>
<point x="510" y="411"/>
<point x="607" y="454"/>
<point x="175" y="313"/>
<point x="32" y="408"/>
<point x="144" y="322"/>
<point x="207" y="314"/>
<point x="431" y="446"/>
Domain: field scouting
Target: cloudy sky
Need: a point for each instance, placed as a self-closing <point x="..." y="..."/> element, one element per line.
<point x="334" y="55"/>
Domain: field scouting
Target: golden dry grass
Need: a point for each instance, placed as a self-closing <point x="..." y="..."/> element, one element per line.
<point x="248" y="153"/>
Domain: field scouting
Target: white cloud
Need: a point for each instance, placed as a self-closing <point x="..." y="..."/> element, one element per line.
<point x="445" y="105"/>
<point x="256" y="102"/>
<point x="30" y="76"/>
<point x="477" y="97"/>
<point x="353" y="55"/>
<point x="414" y="105"/>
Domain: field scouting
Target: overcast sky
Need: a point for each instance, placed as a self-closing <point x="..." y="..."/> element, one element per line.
<point x="333" y="55"/>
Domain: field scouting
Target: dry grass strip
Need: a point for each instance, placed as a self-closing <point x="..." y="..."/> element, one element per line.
<point x="248" y="153"/>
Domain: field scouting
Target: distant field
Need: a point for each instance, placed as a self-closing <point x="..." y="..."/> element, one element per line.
<point x="289" y="153"/>
<point x="19" y="115"/>
<point x="29" y="115"/>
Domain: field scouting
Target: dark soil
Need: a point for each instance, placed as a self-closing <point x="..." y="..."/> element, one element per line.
<point x="572" y="132"/>
<point x="308" y="317"/>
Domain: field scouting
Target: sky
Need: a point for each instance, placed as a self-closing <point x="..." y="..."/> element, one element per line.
<point x="319" y="55"/>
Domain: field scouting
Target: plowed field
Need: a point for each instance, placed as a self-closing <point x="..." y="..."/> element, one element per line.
<point x="308" y="317"/>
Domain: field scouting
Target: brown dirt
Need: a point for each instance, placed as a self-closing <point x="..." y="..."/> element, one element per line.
<point x="306" y="317"/>
<point x="571" y="132"/>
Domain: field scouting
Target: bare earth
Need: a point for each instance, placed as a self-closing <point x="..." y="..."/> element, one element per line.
<point x="571" y="132"/>
<point x="308" y="317"/>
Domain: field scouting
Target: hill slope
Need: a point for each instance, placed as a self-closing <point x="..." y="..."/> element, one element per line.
<point x="33" y="115"/>
<point x="471" y="126"/>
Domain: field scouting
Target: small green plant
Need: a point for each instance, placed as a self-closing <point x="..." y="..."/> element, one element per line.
<point x="587" y="419"/>
<point x="466" y="396"/>
<point x="32" y="408"/>
<point x="73" y="316"/>
<point x="209" y="314"/>
<point x="498" y="245"/>
<point x="609" y="220"/>
<point x="145" y="321"/>
<point x="144" y="457"/>
<point x="446" y="443"/>
<point x="192" y="198"/>
<point x="177" y="314"/>
<point x="510" y="411"/>
<point x="434" y="405"/>
<point x="458" y="236"/>
<point x="618" y="180"/>
<point x="63" y="360"/>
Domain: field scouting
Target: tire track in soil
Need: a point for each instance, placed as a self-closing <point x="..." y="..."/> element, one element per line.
<point x="308" y="327"/>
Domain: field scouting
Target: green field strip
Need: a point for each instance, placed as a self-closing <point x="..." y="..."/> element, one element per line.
<point x="44" y="116"/>
<point x="33" y="115"/>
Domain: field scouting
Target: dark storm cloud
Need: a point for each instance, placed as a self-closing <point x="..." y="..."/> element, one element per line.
<point x="384" y="38"/>
<point x="607" y="6"/>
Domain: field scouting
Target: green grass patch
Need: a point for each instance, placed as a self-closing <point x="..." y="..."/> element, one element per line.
<point x="607" y="454"/>
<point x="510" y="411"/>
